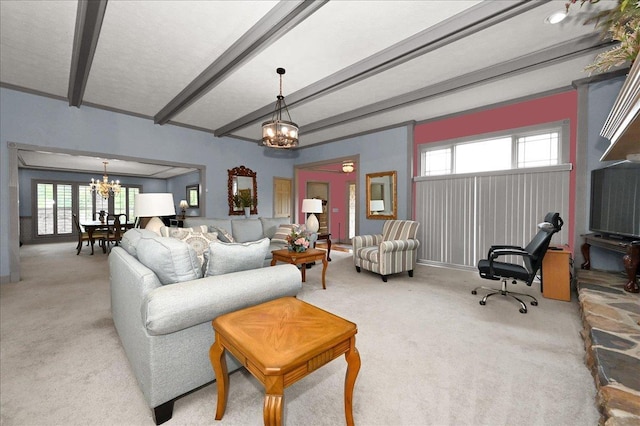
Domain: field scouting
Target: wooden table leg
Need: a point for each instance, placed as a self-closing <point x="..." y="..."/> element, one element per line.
<point x="353" y="367"/>
<point x="324" y="271"/>
<point x="329" y="249"/>
<point x="219" y="364"/>
<point x="273" y="400"/>
<point x="90" y="234"/>
<point x="304" y="272"/>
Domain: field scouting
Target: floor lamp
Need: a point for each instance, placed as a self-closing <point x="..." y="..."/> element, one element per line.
<point x="312" y="206"/>
<point x="152" y="205"/>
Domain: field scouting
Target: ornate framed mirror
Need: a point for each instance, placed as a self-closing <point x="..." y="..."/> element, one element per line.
<point x="382" y="196"/>
<point x="242" y="191"/>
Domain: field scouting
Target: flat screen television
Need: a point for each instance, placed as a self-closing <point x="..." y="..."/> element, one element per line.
<point x="615" y="201"/>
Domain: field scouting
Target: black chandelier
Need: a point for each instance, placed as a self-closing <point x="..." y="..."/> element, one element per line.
<point x="279" y="133"/>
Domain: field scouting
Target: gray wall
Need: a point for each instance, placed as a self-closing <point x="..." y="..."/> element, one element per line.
<point x="601" y="97"/>
<point x="50" y="123"/>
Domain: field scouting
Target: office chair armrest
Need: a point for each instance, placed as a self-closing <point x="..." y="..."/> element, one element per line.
<point x="508" y="252"/>
<point x="501" y="247"/>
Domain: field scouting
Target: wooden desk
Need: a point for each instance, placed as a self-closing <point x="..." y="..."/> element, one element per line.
<point x="280" y="342"/>
<point x="92" y="225"/>
<point x="631" y="258"/>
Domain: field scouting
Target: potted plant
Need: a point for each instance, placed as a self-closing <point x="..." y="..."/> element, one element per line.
<point x="243" y="200"/>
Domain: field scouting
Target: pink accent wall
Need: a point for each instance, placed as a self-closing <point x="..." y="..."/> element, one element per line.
<point x="338" y="185"/>
<point x="562" y="106"/>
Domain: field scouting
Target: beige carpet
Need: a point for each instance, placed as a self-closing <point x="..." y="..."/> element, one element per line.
<point x="431" y="355"/>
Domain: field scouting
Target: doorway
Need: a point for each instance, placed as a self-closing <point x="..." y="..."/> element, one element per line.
<point x="282" y="197"/>
<point x="320" y="190"/>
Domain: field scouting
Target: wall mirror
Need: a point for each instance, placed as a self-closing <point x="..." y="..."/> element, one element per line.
<point x="242" y="191"/>
<point x="381" y="196"/>
<point x="193" y="195"/>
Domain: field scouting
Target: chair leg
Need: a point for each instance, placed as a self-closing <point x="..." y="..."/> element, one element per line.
<point x="358" y="269"/>
<point x="384" y="278"/>
<point x="504" y="292"/>
<point x="411" y="273"/>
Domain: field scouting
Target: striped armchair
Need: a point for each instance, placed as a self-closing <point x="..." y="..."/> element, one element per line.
<point x="393" y="251"/>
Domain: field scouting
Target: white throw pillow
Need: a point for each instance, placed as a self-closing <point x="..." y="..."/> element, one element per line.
<point x="224" y="258"/>
<point x="172" y="231"/>
<point x="172" y="260"/>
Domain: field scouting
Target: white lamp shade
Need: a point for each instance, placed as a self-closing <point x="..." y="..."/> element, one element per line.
<point x="184" y="204"/>
<point x="154" y="204"/>
<point x="311" y="205"/>
<point x="376" y="205"/>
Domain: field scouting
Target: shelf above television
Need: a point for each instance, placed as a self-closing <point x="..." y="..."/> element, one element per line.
<point x="622" y="127"/>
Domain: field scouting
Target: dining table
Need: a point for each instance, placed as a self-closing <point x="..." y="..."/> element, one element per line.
<point x="90" y="226"/>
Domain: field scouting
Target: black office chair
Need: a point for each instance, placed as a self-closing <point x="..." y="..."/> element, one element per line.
<point x="532" y="256"/>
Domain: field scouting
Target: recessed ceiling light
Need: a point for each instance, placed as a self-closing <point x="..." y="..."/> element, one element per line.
<point x="555" y="17"/>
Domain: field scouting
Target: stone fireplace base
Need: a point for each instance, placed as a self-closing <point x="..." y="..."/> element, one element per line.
<point x="611" y="321"/>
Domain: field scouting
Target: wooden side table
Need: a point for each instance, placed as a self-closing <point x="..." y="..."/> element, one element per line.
<point x="280" y="342"/>
<point x="296" y="258"/>
<point x="326" y="237"/>
<point x="556" y="274"/>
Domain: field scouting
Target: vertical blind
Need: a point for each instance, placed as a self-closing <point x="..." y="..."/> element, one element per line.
<point x="461" y="216"/>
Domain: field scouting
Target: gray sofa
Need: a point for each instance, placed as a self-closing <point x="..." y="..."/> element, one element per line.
<point x="244" y="230"/>
<point x="166" y="329"/>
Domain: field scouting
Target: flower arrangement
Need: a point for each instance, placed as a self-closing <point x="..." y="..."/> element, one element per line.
<point x="622" y="24"/>
<point x="298" y="240"/>
<point x="244" y="199"/>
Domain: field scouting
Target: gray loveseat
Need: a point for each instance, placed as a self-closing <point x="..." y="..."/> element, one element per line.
<point x="244" y="230"/>
<point x="166" y="329"/>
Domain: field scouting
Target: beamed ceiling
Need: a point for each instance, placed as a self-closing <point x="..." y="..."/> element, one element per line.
<point x="352" y="66"/>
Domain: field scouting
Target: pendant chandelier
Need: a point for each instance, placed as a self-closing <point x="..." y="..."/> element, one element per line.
<point x="279" y="133"/>
<point x="347" y="166"/>
<point x="104" y="187"/>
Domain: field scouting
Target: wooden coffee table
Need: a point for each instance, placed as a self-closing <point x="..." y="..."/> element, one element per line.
<point x="280" y="342"/>
<point x="295" y="258"/>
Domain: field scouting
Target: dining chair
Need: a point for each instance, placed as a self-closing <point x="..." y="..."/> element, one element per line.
<point x="84" y="236"/>
<point x="114" y="235"/>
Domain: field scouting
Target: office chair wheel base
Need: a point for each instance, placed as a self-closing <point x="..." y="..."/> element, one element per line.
<point x="482" y="302"/>
<point x="523" y="311"/>
<point x="534" y="303"/>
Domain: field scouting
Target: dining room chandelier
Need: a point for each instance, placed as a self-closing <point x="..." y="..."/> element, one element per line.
<point x="104" y="187"/>
<point x="279" y="133"/>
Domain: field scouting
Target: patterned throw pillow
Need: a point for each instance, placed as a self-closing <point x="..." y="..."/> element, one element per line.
<point x="167" y="231"/>
<point x="282" y="232"/>
<point x="197" y="237"/>
<point x="223" y="235"/>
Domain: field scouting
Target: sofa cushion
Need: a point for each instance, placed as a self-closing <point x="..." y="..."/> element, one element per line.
<point x="223" y="258"/>
<point x="270" y="225"/>
<point x="223" y="235"/>
<point x="245" y="230"/>
<point x="282" y="233"/>
<point x="131" y="238"/>
<point x="211" y="223"/>
<point x="172" y="260"/>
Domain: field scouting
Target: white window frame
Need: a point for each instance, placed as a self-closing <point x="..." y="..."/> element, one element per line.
<point x="562" y="127"/>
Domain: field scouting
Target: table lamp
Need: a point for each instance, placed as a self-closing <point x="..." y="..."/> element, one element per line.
<point x="312" y="205"/>
<point x="152" y="205"/>
<point x="184" y="206"/>
<point x="376" y="206"/>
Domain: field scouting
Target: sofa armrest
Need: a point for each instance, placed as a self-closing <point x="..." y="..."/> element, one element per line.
<point x="398" y="245"/>
<point x="174" y="307"/>
<point x="360" y="241"/>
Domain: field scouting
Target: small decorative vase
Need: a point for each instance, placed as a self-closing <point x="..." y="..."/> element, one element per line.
<point x="102" y="215"/>
<point x="247" y="212"/>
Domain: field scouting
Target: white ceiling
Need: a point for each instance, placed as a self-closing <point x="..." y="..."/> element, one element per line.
<point x="352" y="66"/>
